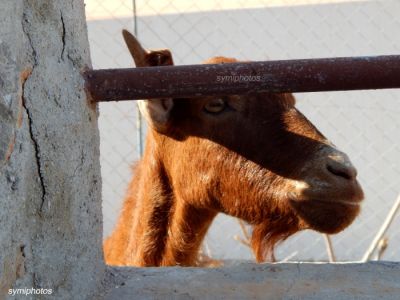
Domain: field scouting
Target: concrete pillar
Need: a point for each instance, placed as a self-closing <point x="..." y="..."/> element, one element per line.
<point x="50" y="184"/>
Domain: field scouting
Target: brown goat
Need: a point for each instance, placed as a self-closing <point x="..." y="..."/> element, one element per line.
<point x="254" y="157"/>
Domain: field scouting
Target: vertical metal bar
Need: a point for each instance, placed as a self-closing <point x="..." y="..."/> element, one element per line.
<point x="134" y="18"/>
<point x="139" y="121"/>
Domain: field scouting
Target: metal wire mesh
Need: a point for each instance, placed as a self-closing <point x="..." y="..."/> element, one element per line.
<point x="364" y="124"/>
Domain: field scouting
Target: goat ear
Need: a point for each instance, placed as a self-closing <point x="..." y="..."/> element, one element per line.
<point x="156" y="111"/>
<point x="146" y="58"/>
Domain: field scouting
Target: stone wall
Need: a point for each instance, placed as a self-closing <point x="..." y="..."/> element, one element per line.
<point x="259" y="281"/>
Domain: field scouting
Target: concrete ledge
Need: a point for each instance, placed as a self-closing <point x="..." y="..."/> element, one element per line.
<point x="258" y="281"/>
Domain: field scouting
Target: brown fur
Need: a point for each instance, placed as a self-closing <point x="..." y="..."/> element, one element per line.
<point x="260" y="160"/>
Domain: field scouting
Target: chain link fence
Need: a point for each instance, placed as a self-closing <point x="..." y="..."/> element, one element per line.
<point x="364" y="124"/>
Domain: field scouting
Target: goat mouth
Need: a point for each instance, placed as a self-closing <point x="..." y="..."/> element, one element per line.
<point x="324" y="202"/>
<point x="345" y="202"/>
<point x="354" y="198"/>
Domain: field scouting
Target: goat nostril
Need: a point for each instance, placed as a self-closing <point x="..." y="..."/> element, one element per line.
<point x="343" y="171"/>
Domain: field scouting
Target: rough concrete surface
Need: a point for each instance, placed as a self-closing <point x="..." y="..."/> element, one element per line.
<point x="50" y="202"/>
<point x="262" y="281"/>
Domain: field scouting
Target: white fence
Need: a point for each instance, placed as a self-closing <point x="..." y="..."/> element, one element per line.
<point x="364" y="124"/>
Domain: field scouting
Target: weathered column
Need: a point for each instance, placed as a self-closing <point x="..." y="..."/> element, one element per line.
<point x="50" y="202"/>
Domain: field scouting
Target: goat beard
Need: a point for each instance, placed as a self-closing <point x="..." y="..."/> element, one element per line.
<point x="268" y="234"/>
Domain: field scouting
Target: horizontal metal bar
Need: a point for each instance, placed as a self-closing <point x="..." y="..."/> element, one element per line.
<point x="304" y="75"/>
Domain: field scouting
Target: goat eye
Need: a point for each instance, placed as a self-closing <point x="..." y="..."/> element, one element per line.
<point x="215" y="106"/>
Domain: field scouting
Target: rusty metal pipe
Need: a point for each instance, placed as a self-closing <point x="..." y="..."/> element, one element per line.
<point x="304" y="75"/>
